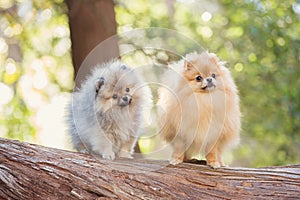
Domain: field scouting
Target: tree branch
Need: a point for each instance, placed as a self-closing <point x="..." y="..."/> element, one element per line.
<point x="30" y="171"/>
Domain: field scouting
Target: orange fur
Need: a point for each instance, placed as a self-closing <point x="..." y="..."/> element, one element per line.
<point x="199" y="116"/>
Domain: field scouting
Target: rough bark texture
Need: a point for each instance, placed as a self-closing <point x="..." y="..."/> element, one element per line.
<point x="30" y="171"/>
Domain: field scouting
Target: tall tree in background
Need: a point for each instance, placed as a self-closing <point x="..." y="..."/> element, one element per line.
<point x="91" y="22"/>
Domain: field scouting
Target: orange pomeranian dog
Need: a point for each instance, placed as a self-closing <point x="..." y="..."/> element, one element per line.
<point x="199" y="109"/>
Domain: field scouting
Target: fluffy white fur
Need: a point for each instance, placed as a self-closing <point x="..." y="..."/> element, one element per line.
<point x="106" y="114"/>
<point x="199" y="116"/>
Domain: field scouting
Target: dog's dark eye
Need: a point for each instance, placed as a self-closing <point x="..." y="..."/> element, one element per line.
<point x="199" y="78"/>
<point x="115" y="96"/>
<point x="127" y="89"/>
<point x="213" y="75"/>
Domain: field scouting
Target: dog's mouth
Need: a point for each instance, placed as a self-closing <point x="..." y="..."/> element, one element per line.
<point x="208" y="86"/>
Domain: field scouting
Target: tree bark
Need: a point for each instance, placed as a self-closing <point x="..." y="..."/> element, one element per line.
<point x="30" y="171"/>
<point x="91" y="23"/>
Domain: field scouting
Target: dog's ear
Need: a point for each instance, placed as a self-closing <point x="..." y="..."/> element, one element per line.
<point x="99" y="83"/>
<point x="187" y="65"/>
<point x="214" y="58"/>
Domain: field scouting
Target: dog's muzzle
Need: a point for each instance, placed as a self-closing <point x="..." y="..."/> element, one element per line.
<point x="208" y="84"/>
<point x="125" y="100"/>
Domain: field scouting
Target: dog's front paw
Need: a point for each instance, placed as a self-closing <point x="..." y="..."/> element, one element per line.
<point x="125" y="154"/>
<point x="84" y="151"/>
<point x="175" y="161"/>
<point x="109" y="155"/>
<point x="214" y="164"/>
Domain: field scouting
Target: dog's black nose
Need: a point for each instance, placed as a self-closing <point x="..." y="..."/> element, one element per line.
<point x="209" y="80"/>
<point x="125" y="98"/>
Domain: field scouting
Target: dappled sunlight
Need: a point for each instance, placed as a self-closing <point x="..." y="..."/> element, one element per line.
<point x="50" y="122"/>
<point x="37" y="72"/>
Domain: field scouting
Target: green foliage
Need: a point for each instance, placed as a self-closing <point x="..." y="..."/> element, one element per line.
<point x="35" y="63"/>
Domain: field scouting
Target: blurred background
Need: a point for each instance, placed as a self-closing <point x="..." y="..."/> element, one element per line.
<point x="43" y="43"/>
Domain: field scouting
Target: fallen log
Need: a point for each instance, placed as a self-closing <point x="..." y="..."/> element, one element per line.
<point x="29" y="171"/>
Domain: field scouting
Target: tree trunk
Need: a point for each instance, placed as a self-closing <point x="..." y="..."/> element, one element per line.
<point x="30" y="171"/>
<point x="93" y="31"/>
<point x="91" y="23"/>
